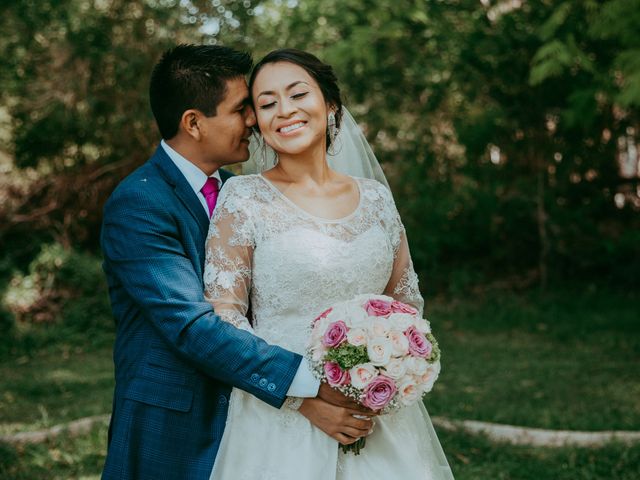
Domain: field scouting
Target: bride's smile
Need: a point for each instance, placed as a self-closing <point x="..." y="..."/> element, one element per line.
<point x="291" y="128"/>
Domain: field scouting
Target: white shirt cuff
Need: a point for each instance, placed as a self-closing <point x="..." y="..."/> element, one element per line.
<point x="304" y="384"/>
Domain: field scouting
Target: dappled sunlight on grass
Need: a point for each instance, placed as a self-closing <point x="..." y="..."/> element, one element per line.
<point x="576" y="372"/>
<point x="63" y="458"/>
<point x="54" y="388"/>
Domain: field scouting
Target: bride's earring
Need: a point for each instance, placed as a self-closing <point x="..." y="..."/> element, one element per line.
<point x="266" y="158"/>
<point x="332" y="132"/>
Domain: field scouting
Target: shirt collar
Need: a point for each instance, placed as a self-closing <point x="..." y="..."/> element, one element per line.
<point x="196" y="177"/>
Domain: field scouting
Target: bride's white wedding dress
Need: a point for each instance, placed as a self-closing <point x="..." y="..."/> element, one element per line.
<point x="292" y="266"/>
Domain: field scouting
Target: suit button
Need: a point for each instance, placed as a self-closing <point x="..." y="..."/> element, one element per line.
<point x="271" y="387"/>
<point x="222" y="400"/>
<point x="255" y="377"/>
<point x="263" y="382"/>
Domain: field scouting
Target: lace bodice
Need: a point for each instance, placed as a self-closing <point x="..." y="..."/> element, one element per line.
<point x="265" y="251"/>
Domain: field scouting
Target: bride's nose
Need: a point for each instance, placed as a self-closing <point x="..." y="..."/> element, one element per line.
<point x="286" y="108"/>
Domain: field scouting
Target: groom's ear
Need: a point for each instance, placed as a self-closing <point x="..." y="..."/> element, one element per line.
<point x="190" y="123"/>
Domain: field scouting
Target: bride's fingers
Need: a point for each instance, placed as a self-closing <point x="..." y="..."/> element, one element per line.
<point x="362" y="409"/>
<point x="354" y="432"/>
<point x="358" y="424"/>
<point x="359" y="414"/>
<point x="345" y="439"/>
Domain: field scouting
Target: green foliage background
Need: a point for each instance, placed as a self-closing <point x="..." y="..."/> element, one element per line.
<point x="554" y="87"/>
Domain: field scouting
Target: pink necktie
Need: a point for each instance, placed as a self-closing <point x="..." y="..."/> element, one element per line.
<point x="210" y="192"/>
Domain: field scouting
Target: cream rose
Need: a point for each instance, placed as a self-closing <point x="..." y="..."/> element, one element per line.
<point x="423" y="326"/>
<point x="430" y="376"/>
<point x="396" y="368"/>
<point x="416" y="365"/>
<point x="409" y="391"/>
<point x="399" y="342"/>
<point x="357" y="336"/>
<point x="377" y="327"/>
<point x="379" y="350"/>
<point x="401" y="321"/>
<point x="358" y="318"/>
<point x="362" y="375"/>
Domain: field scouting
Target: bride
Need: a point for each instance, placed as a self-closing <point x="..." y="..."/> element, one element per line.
<point x="293" y="240"/>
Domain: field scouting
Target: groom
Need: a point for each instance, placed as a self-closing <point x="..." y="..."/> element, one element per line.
<point x="175" y="359"/>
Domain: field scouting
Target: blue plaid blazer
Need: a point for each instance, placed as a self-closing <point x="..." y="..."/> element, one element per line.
<point x="175" y="359"/>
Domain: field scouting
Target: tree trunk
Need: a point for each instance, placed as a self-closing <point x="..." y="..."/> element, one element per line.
<point x="541" y="218"/>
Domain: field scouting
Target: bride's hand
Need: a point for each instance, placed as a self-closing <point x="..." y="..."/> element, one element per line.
<point x="339" y="423"/>
<point x="337" y="398"/>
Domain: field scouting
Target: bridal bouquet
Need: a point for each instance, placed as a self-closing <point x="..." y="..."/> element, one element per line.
<point x="375" y="350"/>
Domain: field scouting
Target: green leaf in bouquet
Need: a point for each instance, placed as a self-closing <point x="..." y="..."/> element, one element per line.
<point x="348" y="356"/>
<point x="435" y="351"/>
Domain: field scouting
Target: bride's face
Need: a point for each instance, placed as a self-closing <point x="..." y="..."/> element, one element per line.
<point x="290" y="108"/>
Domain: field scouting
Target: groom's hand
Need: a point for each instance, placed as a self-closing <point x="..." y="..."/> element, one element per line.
<point x="337" y="422"/>
<point x="337" y="398"/>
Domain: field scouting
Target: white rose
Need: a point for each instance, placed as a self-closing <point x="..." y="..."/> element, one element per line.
<point x="319" y="328"/>
<point x="362" y="299"/>
<point x="337" y="313"/>
<point x="357" y="336"/>
<point x="415" y="365"/>
<point x="420" y="366"/>
<point x="395" y="368"/>
<point x="317" y="352"/>
<point x="377" y="327"/>
<point x="429" y="377"/>
<point x="361" y="375"/>
<point x="358" y="318"/>
<point x="399" y="342"/>
<point x="400" y="321"/>
<point x="409" y="392"/>
<point x="379" y="350"/>
<point x="423" y="326"/>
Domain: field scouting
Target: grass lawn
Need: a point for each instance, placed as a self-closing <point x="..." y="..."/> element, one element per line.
<point x="553" y="361"/>
<point x="471" y="458"/>
<point x="54" y="387"/>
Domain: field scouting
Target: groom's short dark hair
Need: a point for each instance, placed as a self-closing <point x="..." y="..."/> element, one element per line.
<point x="192" y="76"/>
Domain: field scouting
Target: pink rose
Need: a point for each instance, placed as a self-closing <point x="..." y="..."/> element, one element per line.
<point x="419" y="346"/>
<point x="399" y="307"/>
<point x="335" y="375"/>
<point x="379" y="392"/>
<point x="378" y="308"/>
<point x="336" y="334"/>
<point x="322" y="315"/>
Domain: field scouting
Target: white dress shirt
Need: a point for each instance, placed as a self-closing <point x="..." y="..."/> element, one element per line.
<point x="304" y="384"/>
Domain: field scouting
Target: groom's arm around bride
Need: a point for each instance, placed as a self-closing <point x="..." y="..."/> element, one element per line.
<point x="175" y="359"/>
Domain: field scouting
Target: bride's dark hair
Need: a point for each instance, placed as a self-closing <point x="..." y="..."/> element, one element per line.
<point x="319" y="71"/>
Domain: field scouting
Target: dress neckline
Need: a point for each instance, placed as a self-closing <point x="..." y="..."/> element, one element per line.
<point x="315" y="217"/>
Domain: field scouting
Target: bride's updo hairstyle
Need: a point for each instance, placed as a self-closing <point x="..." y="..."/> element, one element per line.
<point x="319" y="71"/>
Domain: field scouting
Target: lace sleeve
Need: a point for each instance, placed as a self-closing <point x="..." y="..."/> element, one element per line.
<point x="229" y="254"/>
<point x="403" y="283"/>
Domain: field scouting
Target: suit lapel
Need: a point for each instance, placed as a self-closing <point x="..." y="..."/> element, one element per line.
<point x="182" y="188"/>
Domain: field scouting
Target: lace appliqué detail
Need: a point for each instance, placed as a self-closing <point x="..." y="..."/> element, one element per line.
<point x="236" y="319"/>
<point x="293" y="403"/>
<point x="407" y="290"/>
<point x="241" y="225"/>
<point x="222" y="273"/>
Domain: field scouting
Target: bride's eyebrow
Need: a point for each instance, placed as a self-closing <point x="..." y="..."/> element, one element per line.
<point x="288" y="87"/>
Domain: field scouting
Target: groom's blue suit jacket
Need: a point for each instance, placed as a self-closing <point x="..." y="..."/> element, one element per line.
<point x="175" y="359"/>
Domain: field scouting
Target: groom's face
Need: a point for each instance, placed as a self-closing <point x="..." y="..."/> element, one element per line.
<point x="226" y="135"/>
